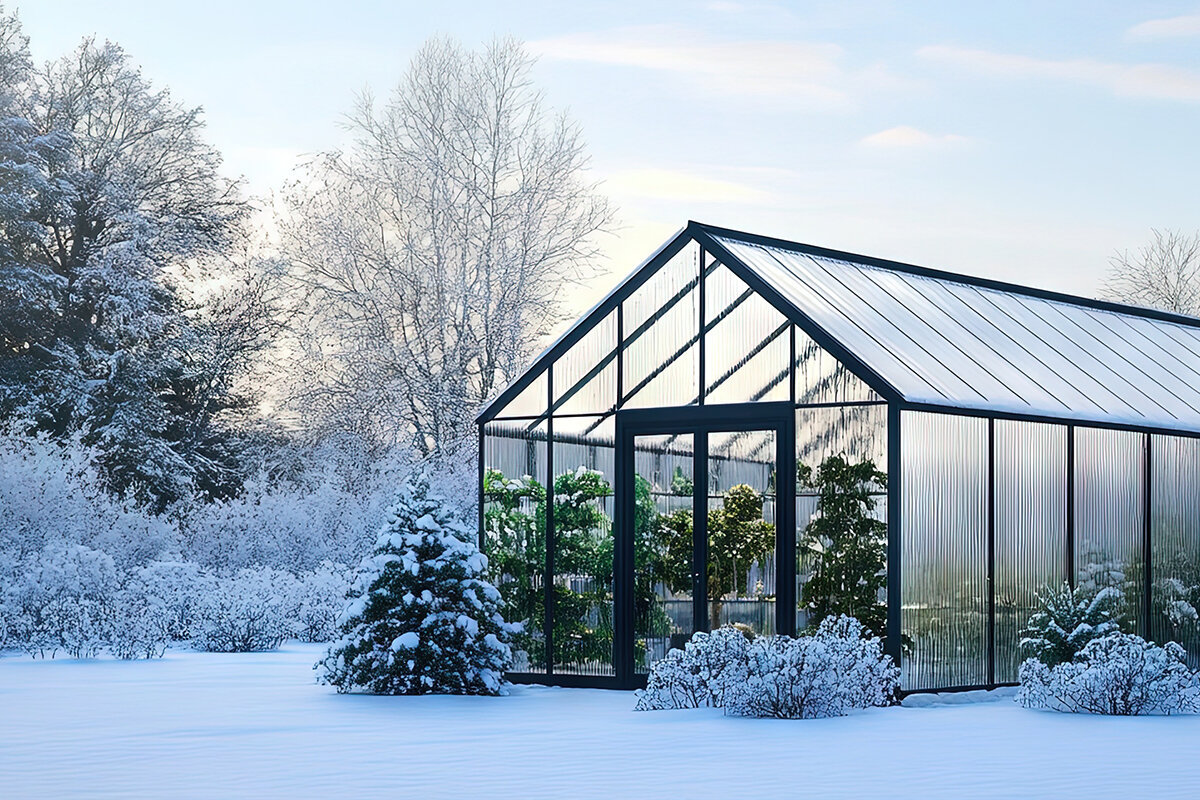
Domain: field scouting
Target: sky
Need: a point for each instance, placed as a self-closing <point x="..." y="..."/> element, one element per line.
<point x="1024" y="141"/>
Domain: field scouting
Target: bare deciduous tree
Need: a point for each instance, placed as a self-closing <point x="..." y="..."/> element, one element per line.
<point x="431" y="255"/>
<point x="1162" y="274"/>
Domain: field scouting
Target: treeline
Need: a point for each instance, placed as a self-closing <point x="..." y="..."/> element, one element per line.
<point x="188" y="375"/>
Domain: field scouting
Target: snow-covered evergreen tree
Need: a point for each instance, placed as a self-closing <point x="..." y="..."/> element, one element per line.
<point x="1067" y="619"/>
<point x="421" y="619"/>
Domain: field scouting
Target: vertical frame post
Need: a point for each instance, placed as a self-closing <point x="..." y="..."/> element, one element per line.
<point x="700" y="530"/>
<point x="702" y="382"/>
<point x="1147" y="535"/>
<point x="894" y="521"/>
<point x="623" y="557"/>
<point x="1070" y="554"/>
<point x="548" y="578"/>
<point x="991" y="554"/>
<point x="785" y="527"/>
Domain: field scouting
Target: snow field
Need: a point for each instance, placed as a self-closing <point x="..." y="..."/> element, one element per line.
<point x="256" y="725"/>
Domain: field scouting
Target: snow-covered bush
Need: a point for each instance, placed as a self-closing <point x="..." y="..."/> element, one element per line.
<point x="51" y="494"/>
<point x="245" y="612"/>
<point x="1119" y="674"/>
<point x="316" y="602"/>
<point x="1067" y="619"/>
<point x="421" y="619"/>
<point x="139" y="624"/>
<point x="839" y="668"/>
<point x="61" y="601"/>
<point x="698" y="675"/>
<point x="293" y="524"/>
<point x="175" y="587"/>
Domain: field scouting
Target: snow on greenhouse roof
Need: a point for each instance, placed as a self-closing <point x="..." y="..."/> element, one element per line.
<point x="949" y="340"/>
<point x="938" y="339"/>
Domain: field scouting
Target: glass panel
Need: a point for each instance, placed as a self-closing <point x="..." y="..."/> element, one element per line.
<point x="747" y="349"/>
<point x="531" y="402"/>
<point x="1175" y="542"/>
<point x="1031" y="528"/>
<point x="1109" y="519"/>
<point x="583" y="546"/>
<point x="741" y="530"/>
<point x="944" y="544"/>
<point x="663" y="483"/>
<point x="514" y="496"/>
<point x="661" y="327"/>
<point x="585" y="377"/>
<point x="855" y="434"/>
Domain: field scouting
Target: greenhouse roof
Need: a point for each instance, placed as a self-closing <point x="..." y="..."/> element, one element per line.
<point x="929" y="338"/>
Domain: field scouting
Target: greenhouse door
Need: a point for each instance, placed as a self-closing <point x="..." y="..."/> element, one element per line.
<point x="705" y="530"/>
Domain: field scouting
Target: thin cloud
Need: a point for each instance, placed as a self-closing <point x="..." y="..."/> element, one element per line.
<point x="908" y="137"/>
<point x="678" y="185"/>
<point x="1168" y="28"/>
<point x="800" y="72"/>
<point x="1157" y="81"/>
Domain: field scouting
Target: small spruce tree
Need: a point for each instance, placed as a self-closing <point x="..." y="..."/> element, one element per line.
<point x="1067" y="619"/>
<point x="420" y="619"/>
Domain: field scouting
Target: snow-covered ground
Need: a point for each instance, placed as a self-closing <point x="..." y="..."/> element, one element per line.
<point x="208" y="725"/>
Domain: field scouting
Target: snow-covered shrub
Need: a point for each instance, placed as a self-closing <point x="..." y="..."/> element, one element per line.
<point x="245" y="612"/>
<point x="316" y="602"/>
<point x="1119" y="674"/>
<point x="421" y="619"/>
<point x="698" y="675"/>
<point x="61" y="601"/>
<point x="175" y="587"/>
<point x="52" y="494"/>
<point x="139" y="624"/>
<point x="839" y="668"/>
<point x="1067" y="619"/>
<point x="292" y="525"/>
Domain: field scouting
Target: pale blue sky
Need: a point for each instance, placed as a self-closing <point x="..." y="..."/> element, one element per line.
<point x="1019" y="140"/>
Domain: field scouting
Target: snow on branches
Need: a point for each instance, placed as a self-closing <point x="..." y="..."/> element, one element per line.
<point x="1117" y="674"/>
<point x="421" y="620"/>
<point x="839" y="668"/>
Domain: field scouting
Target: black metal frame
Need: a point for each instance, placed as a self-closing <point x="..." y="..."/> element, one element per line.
<point x="700" y="421"/>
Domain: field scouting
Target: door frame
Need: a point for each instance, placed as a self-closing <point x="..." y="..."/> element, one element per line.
<point x="700" y="421"/>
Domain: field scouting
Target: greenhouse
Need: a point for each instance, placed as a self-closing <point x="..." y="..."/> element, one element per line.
<point x="757" y="432"/>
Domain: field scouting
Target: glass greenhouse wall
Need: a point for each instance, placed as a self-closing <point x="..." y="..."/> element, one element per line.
<point x="995" y="441"/>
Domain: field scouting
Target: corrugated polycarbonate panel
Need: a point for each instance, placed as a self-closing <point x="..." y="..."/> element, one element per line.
<point x="821" y="378"/>
<point x="583" y="528"/>
<point x="531" y="402"/>
<point x="1031" y="528"/>
<point x="950" y="343"/>
<point x="514" y="536"/>
<point x="1110" y="515"/>
<point x="856" y="432"/>
<point x="748" y="345"/>
<point x="1175" y="542"/>
<point x="585" y="377"/>
<point x="661" y="327"/>
<point x="944" y="513"/>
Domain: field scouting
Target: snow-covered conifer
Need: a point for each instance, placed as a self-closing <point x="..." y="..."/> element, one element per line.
<point x="421" y="620"/>
<point x="1067" y="619"/>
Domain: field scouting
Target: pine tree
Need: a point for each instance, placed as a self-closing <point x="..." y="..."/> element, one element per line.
<point x="1067" y="619"/>
<point x="420" y="619"/>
